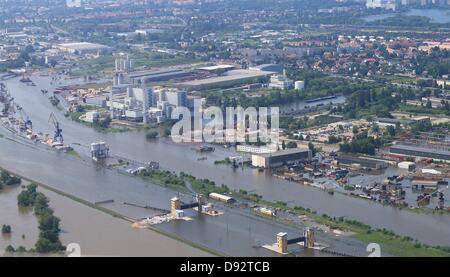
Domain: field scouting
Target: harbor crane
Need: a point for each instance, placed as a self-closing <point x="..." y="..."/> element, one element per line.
<point x="28" y="124"/>
<point x="8" y="106"/>
<point x="58" y="131"/>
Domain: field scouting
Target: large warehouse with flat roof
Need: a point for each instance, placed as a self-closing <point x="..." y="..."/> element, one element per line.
<point x="285" y="157"/>
<point x="83" y="48"/>
<point x="421" y="151"/>
<point x="231" y="78"/>
<point x="156" y="75"/>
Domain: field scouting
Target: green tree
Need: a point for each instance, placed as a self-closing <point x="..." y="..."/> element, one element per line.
<point x="26" y="197"/>
<point x="6" y="229"/>
<point x="152" y="135"/>
<point x="333" y="139"/>
<point x="391" y="131"/>
<point x="291" y="144"/>
<point x="312" y="148"/>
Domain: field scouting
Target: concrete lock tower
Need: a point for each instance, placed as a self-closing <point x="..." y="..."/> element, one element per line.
<point x="309" y="238"/>
<point x="175" y="205"/>
<point x="201" y="201"/>
<point x="282" y="243"/>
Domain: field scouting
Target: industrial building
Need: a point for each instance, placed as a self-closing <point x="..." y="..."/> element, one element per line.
<point x="99" y="150"/>
<point x="133" y="106"/>
<point x="383" y="121"/>
<point x="155" y="75"/>
<point x="361" y="161"/>
<point x="83" y="48"/>
<point x="382" y="4"/>
<point x="175" y="97"/>
<point x="285" y="157"/>
<point x="230" y="79"/>
<point x="421" y="151"/>
<point x="407" y="165"/>
<point x="281" y="81"/>
<point x="222" y="198"/>
<point x="275" y="68"/>
<point x="168" y="99"/>
<point x="124" y="65"/>
<point x="218" y="68"/>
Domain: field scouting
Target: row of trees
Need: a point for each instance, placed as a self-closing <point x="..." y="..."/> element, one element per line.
<point x="375" y="100"/>
<point x="48" y="241"/>
<point x="361" y="143"/>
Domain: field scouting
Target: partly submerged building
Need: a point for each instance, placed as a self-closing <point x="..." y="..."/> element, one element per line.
<point x="285" y="157"/>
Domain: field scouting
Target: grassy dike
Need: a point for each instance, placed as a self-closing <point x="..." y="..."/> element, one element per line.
<point x="117" y="215"/>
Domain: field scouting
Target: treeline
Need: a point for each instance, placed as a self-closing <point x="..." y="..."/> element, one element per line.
<point x="403" y="21"/>
<point x="48" y="241"/>
<point x="316" y="85"/>
<point x="20" y="61"/>
<point x="291" y="123"/>
<point x="361" y="143"/>
<point x="375" y="100"/>
<point x="436" y="63"/>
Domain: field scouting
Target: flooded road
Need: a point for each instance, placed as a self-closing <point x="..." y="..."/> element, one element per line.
<point x="68" y="174"/>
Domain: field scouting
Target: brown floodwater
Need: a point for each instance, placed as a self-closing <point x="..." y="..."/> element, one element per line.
<point x="97" y="233"/>
<point x="22" y="221"/>
<point x="101" y="234"/>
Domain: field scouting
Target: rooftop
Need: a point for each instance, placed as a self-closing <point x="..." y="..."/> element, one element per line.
<point x="155" y="73"/>
<point x="217" y="67"/>
<point x="421" y="149"/>
<point x="82" y="45"/>
<point x="284" y="152"/>
<point x="232" y="76"/>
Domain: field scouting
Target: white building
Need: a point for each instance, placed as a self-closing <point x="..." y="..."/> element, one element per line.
<point x="83" y="48"/>
<point x="92" y="116"/>
<point x="281" y="82"/>
<point x="382" y="4"/>
<point x="285" y="157"/>
<point x="256" y="149"/>
<point x="124" y="65"/>
<point x="299" y="85"/>
<point x="174" y="97"/>
<point x="74" y="3"/>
